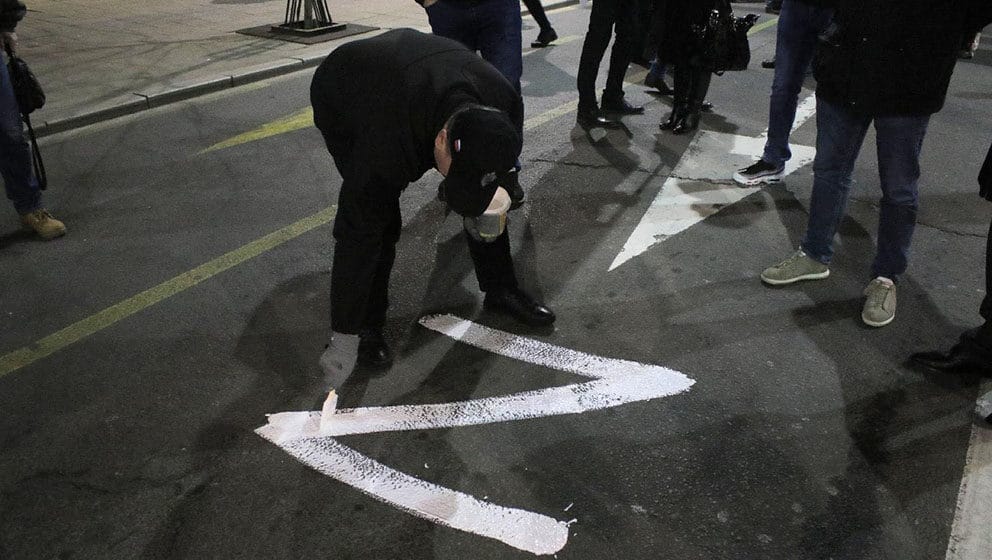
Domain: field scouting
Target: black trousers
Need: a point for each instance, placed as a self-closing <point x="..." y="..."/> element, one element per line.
<point x="537" y="12"/>
<point x="605" y="15"/>
<point x="691" y="82"/>
<point x="366" y="230"/>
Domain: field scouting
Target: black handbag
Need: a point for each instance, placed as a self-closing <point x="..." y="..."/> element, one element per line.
<point x="724" y="40"/>
<point x="27" y="90"/>
<point x="30" y="97"/>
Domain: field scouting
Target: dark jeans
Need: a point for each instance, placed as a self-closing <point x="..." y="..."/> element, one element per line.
<point x="492" y="27"/>
<point x="605" y="15"/>
<point x="799" y="24"/>
<point x="840" y="133"/>
<point x="15" y="152"/>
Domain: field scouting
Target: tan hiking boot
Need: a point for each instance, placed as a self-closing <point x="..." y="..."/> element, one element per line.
<point x="42" y="223"/>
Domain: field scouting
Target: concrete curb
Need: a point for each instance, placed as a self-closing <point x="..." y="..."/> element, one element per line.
<point x="143" y="102"/>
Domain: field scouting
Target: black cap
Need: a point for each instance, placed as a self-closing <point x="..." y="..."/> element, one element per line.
<point x="484" y="145"/>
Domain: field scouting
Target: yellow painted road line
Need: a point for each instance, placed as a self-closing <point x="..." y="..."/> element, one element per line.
<point x="115" y="313"/>
<point x="762" y="26"/>
<point x="296" y="121"/>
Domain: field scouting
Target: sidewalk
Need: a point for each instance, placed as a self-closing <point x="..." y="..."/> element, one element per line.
<point x="102" y="59"/>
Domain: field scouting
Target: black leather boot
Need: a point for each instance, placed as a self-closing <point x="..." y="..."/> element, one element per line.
<point x="688" y="123"/>
<point x="675" y="117"/>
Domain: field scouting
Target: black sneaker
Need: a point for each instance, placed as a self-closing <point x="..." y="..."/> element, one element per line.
<point x="759" y="172"/>
<point x="620" y="106"/>
<point x="545" y="38"/>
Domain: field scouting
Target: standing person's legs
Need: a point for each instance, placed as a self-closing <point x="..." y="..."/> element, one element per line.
<point x="454" y="21"/>
<point x="15" y="152"/>
<point x="699" y="77"/>
<point x="601" y="20"/>
<point x="498" y="24"/>
<point x="622" y="52"/>
<point x="798" y="27"/>
<point x="682" y="85"/>
<point x="541" y="19"/>
<point x="839" y="136"/>
<point x="898" y="141"/>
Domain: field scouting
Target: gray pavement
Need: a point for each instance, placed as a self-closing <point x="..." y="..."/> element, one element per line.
<point x="805" y="435"/>
<point x="99" y="60"/>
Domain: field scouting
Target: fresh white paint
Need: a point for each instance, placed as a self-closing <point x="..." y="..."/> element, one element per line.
<point x="612" y="382"/>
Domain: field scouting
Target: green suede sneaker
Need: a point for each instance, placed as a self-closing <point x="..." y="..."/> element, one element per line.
<point x="880" y="305"/>
<point x="793" y="269"/>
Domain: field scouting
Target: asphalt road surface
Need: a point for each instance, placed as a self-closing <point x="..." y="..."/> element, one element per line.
<point x="140" y="353"/>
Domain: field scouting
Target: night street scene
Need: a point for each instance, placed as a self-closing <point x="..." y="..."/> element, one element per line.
<point x="496" y="279"/>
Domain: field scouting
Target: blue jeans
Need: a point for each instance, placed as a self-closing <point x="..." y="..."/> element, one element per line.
<point x="491" y="27"/>
<point x="840" y="133"/>
<point x="15" y="153"/>
<point x="798" y="27"/>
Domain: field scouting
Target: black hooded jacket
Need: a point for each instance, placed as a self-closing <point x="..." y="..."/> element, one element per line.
<point x="381" y="101"/>
<point x="894" y="57"/>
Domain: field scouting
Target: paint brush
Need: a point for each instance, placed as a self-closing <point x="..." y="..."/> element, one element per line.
<point x="327" y="411"/>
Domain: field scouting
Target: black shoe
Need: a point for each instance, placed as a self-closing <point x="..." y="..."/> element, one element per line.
<point x="688" y="123"/>
<point x="959" y="359"/>
<point x="706" y="107"/>
<point x="620" y="105"/>
<point x="674" y="118"/>
<point x="768" y="63"/>
<point x="373" y="352"/>
<point x="544" y="38"/>
<point x="511" y="182"/>
<point x="590" y="118"/>
<point x="517" y="304"/>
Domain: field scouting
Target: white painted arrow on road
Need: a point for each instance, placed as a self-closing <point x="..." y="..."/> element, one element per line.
<point x="700" y="184"/>
<point x="613" y="382"/>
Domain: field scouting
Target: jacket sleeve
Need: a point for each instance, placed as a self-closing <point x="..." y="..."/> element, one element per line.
<point x="985" y="177"/>
<point x="11" y="12"/>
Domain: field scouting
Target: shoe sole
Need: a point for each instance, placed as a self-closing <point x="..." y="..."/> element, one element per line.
<point x="871" y="323"/>
<point x="764" y="179"/>
<point x="813" y="276"/>
<point x="41" y="235"/>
